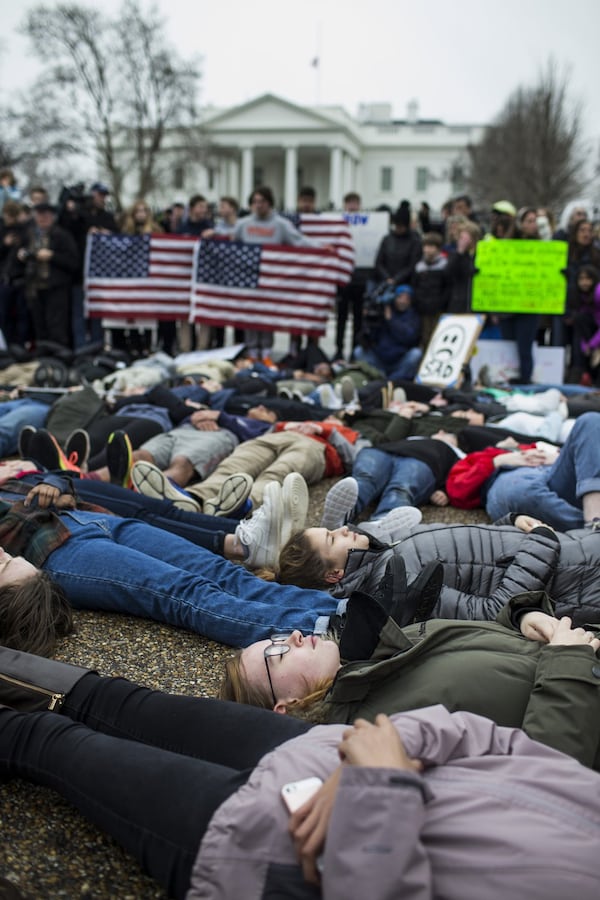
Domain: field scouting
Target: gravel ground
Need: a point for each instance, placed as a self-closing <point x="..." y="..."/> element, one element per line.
<point x="49" y="851"/>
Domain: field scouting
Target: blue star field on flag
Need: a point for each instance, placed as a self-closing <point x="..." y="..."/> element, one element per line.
<point x="236" y="264"/>
<point x="119" y="256"/>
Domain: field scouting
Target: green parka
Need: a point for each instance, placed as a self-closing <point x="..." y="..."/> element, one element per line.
<point x="488" y="668"/>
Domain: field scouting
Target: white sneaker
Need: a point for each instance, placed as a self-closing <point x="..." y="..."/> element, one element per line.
<point x="395" y="525"/>
<point x="261" y="534"/>
<point x="340" y="503"/>
<point x="295" y="505"/>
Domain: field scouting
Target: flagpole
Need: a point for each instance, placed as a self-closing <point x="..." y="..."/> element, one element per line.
<point x="317" y="65"/>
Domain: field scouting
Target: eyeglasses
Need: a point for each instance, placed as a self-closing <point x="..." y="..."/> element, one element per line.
<point x="277" y="647"/>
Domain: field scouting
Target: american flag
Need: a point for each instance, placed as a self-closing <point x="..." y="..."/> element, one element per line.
<point x="269" y="287"/>
<point x="142" y="276"/>
<point x="332" y="229"/>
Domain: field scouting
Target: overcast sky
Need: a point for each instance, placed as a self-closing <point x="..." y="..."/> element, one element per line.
<point x="458" y="60"/>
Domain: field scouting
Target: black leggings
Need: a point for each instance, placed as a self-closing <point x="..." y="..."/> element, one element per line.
<point x="147" y="768"/>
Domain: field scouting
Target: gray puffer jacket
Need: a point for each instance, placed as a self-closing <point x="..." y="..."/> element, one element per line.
<point x="494" y="814"/>
<point x="486" y="565"/>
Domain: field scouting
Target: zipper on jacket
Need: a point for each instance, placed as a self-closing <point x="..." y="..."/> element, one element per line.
<point x="55" y="700"/>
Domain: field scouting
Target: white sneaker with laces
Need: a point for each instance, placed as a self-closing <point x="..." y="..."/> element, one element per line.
<point x="295" y="505"/>
<point x="261" y="534"/>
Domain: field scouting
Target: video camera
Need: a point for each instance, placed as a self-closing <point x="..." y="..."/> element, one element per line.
<point x="76" y="194"/>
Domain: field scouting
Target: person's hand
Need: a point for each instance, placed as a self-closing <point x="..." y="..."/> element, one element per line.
<point x="210" y="385"/>
<point x="48" y="495"/>
<point x="532" y="458"/>
<point x="565" y="635"/>
<point x="44" y="254"/>
<point x="439" y="498"/>
<point x="376" y="745"/>
<point x="538" y="626"/>
<point x="203" y="417"/>
<point x="527" y="523"/>
<point x="308" y="826"/>
<point x="303" y="427"/>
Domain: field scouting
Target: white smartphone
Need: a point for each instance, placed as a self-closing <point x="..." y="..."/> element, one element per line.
<point x="296" y="793"/>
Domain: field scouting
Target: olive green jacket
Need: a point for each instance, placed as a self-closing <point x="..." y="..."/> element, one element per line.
<point x="488" y="668"/>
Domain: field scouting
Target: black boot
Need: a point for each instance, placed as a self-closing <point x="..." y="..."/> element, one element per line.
<point x="29" y="682"/>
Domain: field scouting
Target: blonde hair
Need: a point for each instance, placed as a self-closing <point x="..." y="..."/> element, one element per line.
<point x="236" y="688"/>
<point x="130" y="226"/>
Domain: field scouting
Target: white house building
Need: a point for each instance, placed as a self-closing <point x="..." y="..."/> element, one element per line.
<point x="270" y="140"/>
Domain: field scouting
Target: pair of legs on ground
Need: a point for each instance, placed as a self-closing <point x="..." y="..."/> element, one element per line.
<point x="149" y="769"/>
<point x="564" y="495"/>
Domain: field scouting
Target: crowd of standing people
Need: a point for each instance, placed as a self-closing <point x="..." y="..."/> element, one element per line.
<point x="439" y="682"/>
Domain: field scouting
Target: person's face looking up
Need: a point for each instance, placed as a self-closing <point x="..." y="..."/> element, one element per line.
<point x="308" y="662"/>
<point x="332" y="546"/>
<point x="14" y="569"/>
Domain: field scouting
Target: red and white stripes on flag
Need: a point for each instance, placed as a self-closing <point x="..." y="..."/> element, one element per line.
<point x="141" y="277"/>
<point x="219" y="282"/>
<point x="269" y="287"/>
<point x="332" y="229"/>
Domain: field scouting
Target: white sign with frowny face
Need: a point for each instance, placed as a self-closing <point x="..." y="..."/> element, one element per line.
<point x="449" y="349"/>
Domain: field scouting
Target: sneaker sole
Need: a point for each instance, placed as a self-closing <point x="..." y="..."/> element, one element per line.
<point x="339" y="503"/>
<point x="150" y="481"/>
<point x="268" y="554"/>
<point x="235" y="490"/>
<point x="295" y="506"/>
<point x="78" y="442"/>
<point x="25" y="436"/>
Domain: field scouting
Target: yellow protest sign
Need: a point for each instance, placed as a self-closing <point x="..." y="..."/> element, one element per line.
<point x="520" y="277"/>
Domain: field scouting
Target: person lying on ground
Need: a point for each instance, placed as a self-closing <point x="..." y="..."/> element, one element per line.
<point x="395" y="783"/>
<point x="526" y="670"/>
<point x="483" y="565"/>
<point x="58" y="554"/>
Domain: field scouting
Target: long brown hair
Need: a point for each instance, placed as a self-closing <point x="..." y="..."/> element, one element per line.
<point x="301" y="564"/>
<point x="34" y="614"/>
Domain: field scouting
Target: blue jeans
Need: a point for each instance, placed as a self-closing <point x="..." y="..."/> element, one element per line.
<point x="126" y="566"/>
<point x="522" y="328"/>
<point x="553" y="493"/>
<point x="393" y="480"/>
<point x="206" y="531"/>
<point x="14" y="415"/>
<point x="405" y="368"/>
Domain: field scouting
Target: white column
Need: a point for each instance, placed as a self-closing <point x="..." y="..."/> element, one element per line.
<point x="247" y="173"/>
<point x="347" y="173"/>
<point x="290" y="183"/>
<point x="233" y="179"/>
<point x="335" y="177"/>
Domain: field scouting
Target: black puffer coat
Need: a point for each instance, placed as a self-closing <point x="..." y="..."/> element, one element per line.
<point x="485" y="565"/>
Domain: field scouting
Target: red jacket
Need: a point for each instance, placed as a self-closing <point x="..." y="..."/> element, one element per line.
<point x="468" y="475"/>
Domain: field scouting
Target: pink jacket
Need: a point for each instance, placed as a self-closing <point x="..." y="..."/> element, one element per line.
<point x="494" y="815"/>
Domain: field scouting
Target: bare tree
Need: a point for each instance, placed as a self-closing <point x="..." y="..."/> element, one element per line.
<point x="120" y="88"/>
<point x="533" y="152"/>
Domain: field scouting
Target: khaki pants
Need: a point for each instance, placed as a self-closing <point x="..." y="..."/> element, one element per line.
<point x="267" y="458"/>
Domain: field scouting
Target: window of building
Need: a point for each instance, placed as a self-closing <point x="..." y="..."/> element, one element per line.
<point x="178" y="178"/>
<point x="259" y="174"/>
<point x="386" y="178"/>
<point x="422" y="178"/>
